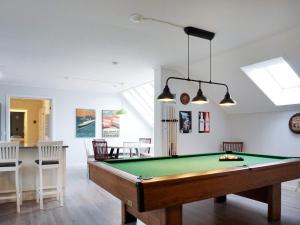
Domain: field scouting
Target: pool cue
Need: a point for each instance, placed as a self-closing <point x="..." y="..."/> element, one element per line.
<point x="169" y="136"/>
<point x="175" y="133"/>
<point x="171" y="131"/>
<point x="174" y="139"/>
<point x="165" y="131"/>
<point x="173" y="128"/>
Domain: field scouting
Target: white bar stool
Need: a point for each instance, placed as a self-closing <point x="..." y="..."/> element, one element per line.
<point x="9" y="162"/>
<point x="50" y="157"/>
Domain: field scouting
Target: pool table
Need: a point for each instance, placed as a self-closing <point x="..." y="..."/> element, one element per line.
<point x="154" y="189"/>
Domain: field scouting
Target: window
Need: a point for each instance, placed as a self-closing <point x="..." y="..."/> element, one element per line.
<point x="277" y="80"/>
<point x="141" y="98"/>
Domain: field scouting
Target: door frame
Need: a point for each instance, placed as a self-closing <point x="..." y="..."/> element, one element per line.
<point x="7" y="112"/>
<point x="25" y="122"/>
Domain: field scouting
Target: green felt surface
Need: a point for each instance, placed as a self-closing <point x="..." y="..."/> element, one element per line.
<point x="163" y="166"/>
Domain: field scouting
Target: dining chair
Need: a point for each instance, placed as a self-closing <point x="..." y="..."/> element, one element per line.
<point x="233" y="146"/>
<point x="144" y="151"/>
<point x="88" y="149"/>
<point x="101" y="151"/>
<point x="130" y="146"/>
<point x="9" y="162"/>
<point x="50" y="158"/>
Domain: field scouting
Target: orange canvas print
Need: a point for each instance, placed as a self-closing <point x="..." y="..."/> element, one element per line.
<point x="110" y="123"/>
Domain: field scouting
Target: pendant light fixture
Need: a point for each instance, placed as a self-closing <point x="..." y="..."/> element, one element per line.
<point x="200" y="98"/>
<point x="167" y="96"/>
<point x="227" y="101"/>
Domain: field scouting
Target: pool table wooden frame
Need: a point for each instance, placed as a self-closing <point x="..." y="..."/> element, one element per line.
<point x="159" y="201"/>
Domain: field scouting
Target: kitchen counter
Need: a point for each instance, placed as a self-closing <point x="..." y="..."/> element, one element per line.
<point x="28" y="154"/>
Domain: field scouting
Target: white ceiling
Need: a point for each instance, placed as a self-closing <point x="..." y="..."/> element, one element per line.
<point x="41" y="41"/>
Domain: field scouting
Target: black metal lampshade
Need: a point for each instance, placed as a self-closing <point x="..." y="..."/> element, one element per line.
<point x="200" y="98"/>
<point x="227" y="101"/>
<point x="166" y="96"/>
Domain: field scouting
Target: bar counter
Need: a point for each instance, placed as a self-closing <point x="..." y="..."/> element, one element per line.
<point x="28" y="154"/>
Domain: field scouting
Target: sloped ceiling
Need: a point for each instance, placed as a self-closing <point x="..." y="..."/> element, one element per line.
<point x="71" y="44"/>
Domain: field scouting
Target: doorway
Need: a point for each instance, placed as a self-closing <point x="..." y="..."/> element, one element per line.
<point x="18" y="122"/>
<point x="29" y="120"/>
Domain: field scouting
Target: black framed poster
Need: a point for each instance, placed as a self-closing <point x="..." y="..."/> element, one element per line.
<point x="185" y="121"/>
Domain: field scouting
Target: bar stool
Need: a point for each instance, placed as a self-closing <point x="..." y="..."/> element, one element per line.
<point x="9" y="162"/>
<point x="50" y="157"/>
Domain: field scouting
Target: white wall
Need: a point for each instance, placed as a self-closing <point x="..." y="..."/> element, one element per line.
<point x="266" y="133"/>
<point x="197" y="142"/>
<point x="65" y="103"/>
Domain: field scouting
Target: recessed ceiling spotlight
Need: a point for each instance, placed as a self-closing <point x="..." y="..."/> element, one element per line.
<point x="136" y="18"/>
<point x="115" y="62"/>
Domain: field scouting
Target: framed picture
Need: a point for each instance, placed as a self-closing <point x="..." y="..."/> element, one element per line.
<point x="85" y="123"/>
<point x="185" y="121"/>
<point x="110" y="123"/>
<point x="294" y="123"/>
<point x="184" y="98"/>
<point x="204" y="122"/>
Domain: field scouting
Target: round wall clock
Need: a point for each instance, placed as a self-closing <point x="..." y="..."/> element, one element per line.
<point x="294" y="123"/>
<point x="184" y="98"/>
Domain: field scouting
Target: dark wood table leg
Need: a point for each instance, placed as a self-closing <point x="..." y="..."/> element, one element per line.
<point x="111" y="152"/>
<point x="126" y="216"/>
<point x="172" y="215"/>
<point x="220" y="199"/>
<point x="274" y="202"/>
<point x="167" y="216"/>
<point x="118" y="152"/>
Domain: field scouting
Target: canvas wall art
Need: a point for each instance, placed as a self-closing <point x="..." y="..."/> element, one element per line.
<point x="204" y="122"/>
<point x="110" y="123"/>
<point x="85" y="123"/>
<point x="185" y="121"/>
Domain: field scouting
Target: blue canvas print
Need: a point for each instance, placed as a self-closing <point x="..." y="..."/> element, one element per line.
<point x="85" y="123"/>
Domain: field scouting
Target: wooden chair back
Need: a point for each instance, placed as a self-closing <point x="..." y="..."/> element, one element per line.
<point x="9" y="152"/>
<point x="100" y="150"/>
<point x="145" y="141"/>
<point x="131" y="144"/>
<point x="50" y="151"/>
<point x="233" y="146"/>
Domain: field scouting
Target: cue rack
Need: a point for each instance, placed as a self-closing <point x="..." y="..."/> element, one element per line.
<point x="169" y="129"/>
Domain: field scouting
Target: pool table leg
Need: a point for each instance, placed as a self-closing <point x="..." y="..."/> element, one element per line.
<point x="274" y="202"/>
<point x="220" y="199"/>
<point x="127" y="217"/>
<point x="167" y="216"/>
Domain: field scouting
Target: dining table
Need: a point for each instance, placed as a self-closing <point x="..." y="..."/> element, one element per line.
<point x="115" y="149"/>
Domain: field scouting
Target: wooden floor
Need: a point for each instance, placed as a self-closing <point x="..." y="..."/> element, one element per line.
<point x="87" y="204"/>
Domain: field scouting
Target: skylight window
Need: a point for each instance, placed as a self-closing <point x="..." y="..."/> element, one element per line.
<point x="277" y="80"/>
<point x="141" y="98"/>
